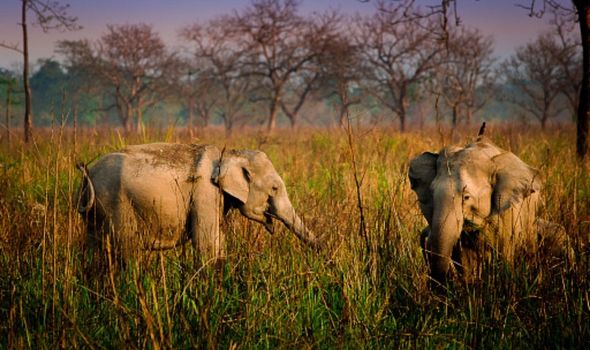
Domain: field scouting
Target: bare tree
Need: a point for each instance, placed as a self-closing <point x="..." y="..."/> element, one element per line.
<point x="281" y="45"/>
<point x="580" y="12"/>
<point x="49" y="14"/>
<point x="536" y="75"/>
<point x="318" y="37"/>
<point x="465" y="77"/>
<point x="444" y="13"/>
<point x="401" y="53"/>
<point x="133" y="64"/>
<point x="569" y="59"/>
<point x="199" y="91"/>
<point x="215" y="47"/>
<point x="342" y="72"/>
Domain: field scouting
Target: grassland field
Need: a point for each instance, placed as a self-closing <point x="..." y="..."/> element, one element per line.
<point x="361" y="291"/>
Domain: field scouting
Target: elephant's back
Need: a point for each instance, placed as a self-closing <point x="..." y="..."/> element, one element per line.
<point x="165" y="156"/>
<point x="155" y="178"/>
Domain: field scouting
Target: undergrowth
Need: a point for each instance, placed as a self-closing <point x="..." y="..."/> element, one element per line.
<point x="366" y="289"/>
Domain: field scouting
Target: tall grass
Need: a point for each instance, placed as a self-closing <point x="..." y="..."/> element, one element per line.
<point x="360" y="291"/>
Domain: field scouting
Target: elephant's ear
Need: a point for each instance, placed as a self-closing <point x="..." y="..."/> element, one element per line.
<point x="421" y="173"/>
<point x="233" y="177"/>
<point x="513" y="180"/>
<point x="422" y="170"/>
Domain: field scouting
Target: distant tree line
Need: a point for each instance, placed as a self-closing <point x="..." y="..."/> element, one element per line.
<point x="269" y="62"/>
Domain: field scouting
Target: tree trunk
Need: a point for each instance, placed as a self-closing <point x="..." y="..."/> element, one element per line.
<point x="292" y="119"/>
<point x="189" y="116"/>
<point x="402" y="122"/>
<point x="468" y="116"/>
<point x="583" y="8"/>
<point x="403" y="104"/>
<point x="455" y="116"/>
<point x="272" y="117"/>
<point x="8" y="105"/>
<point x="75" y="115"/>
<point x="229" y="125"/>
<point x="342" y="116"/>
<point x="204" y="114"/>
<point x="402" y="117"/>
<point x="125" y="115"/>
<point x="544" y="117"/>
<point x="28" y="122"/>
<point x="126" y="122"/>
<point x="139" y="113"/>
<point x="344" y="103"/>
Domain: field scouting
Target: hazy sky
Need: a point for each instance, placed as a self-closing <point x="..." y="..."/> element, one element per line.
<point x="509" y="25"/>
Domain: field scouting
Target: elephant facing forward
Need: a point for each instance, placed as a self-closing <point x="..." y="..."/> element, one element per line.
<point x="476" y="199"/>
<point x="161" y="195"/>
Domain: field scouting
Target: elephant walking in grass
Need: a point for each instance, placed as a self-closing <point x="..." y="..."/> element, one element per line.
<point x="477" y="199"/>
<point x="161" y="195"/>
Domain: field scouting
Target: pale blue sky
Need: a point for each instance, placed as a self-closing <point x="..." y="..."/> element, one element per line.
<point x="508" y="25"/>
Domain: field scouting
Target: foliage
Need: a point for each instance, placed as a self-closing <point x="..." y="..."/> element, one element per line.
<point x="272" y="291"/>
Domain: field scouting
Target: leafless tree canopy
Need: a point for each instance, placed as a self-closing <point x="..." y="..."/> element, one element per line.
<point x="568" y="57"/>
<point x="131" y="62"/>
<point x="465" y="77"/>
<point x="341" y="73"/>
<point x="281" y="48"/>
<point x="401" y="54"/>
<point x="221" y="70"/>
<point x="267" y="54"/>
<point x="534" y="71"/>
<point x="576" y="11"/>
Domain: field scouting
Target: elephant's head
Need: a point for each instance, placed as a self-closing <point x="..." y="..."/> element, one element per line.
<point x="257" y="190"/>
<point x="466" y="185"/>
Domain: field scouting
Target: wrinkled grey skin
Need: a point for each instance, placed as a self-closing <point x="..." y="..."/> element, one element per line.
<point x="160" y="195"/>
<point x="474" y="198"/>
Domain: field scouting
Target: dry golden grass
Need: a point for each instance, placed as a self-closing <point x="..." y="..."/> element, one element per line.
<point x="368" y="288"/>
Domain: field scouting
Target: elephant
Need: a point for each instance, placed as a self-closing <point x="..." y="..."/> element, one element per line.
<point x="477" y="199"/>
<point x="161" y="195"/>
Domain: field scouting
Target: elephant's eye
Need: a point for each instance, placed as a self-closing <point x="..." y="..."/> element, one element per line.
<point x="466" y="197"/>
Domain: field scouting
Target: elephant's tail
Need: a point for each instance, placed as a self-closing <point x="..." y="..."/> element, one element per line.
<point x="87" y="185"/>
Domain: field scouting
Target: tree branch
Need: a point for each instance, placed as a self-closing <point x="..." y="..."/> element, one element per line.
<point x="11" y="46"/>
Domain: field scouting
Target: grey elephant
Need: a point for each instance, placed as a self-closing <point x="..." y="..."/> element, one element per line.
<point x="477" y="199"/>
<point x="162" y="195"/>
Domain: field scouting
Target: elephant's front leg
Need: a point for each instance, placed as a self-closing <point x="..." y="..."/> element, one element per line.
<point x="204" y="222"/>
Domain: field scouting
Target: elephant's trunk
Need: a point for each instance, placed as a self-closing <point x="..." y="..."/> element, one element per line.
<point x="447" y="223"/>
<point x="286" y="214"/>
<point x="298" y="227"/>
